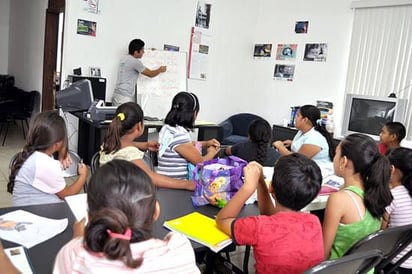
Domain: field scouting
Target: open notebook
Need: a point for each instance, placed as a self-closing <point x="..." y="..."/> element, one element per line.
<point x="201" y="229"/>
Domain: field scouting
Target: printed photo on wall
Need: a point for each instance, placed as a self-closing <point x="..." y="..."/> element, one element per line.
<point x="91" y="6"/>
<point x="170" y="47"/>
<point x="301" y="26"/>
<point x="284" y="72"/>
<point x="85" y="27"/>
<point x="315" y="52"/>
<point x="286" y="51"/>
<point x="262" y="50"/>
<point x="203" y="15"/>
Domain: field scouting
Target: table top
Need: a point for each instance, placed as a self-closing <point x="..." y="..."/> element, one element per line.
<point x="42" y="256"/>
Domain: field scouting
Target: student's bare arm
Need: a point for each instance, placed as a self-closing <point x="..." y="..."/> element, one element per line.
<point x="231" y="210"/>
<point x="333" y="215"/>
<point x="77" y="185"/>
<point x="191" y="154"/>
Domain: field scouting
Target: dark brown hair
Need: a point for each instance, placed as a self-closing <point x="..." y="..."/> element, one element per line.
<point x="127" y="115"/>
<point x="46" y="129"/>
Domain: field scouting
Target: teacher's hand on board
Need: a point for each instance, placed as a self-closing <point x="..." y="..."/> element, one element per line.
<point x="162" y="68"/>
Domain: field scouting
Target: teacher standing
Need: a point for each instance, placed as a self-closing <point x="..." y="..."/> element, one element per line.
<point x="130" y="68"/>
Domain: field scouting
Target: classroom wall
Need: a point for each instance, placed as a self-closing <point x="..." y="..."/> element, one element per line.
<point x="4" y="34"/>
<point x="236" y="82"/>
<point x="26" y="43"/>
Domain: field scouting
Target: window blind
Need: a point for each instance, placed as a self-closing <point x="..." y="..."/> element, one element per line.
<point x="380" y="59"/>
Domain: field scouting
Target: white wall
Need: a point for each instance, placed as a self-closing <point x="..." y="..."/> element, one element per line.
<point x="330" y="21"/>
<point x="4" y="34"/>
<point x="26" y="43"/>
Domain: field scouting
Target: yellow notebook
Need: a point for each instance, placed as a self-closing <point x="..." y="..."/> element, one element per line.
<point x="201" y="229"/>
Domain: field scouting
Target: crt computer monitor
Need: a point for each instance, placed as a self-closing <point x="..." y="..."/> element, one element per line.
<point x="368" y="114"/>
<point x="76" y="97"/>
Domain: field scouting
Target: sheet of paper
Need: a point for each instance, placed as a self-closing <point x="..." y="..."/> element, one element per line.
<point x="19" y="259"/>
<point x="28" y="229"/>
<point x="78" y="205"/>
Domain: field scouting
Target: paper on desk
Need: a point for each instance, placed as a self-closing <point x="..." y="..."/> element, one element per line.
<point x="19" y="259"/>
<point x="28" y="229"/>
<point x="78" y="205"/>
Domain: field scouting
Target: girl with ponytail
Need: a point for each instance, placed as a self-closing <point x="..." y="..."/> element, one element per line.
<point x="312" y="139"/>
<point x="257" y="148"/>
<point x="36" y="177"/>
<point x="118" y="238"/>
<point x="356" y="210"/>
<point x="126" y="126"/>
<point x="398" y="213"/>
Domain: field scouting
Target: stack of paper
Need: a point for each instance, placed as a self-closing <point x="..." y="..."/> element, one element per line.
<point x="28" y="229"/>
<point x="201" y="229"/>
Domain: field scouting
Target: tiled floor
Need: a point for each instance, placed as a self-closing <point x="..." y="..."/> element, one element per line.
<point x="14" y="143"/>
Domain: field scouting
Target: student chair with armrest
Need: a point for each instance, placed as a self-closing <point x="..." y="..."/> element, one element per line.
<point x="234" y="129"/>
<point x="359" y="262"/>
<point x="390" y="241"/>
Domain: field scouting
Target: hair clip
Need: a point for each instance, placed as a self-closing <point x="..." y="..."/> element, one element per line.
<point x="121" y="116"/>
<point x="127" y="235"/>
<point x="176" y="106"/>
<point x="319" y="122"/>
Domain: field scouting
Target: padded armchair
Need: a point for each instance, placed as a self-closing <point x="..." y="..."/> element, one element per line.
<point x="234" y="129"/>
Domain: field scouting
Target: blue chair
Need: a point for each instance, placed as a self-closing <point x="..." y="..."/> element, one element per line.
<point x="234" y="129"/>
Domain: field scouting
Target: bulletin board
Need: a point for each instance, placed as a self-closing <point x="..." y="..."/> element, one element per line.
<point x="155" y="94"/>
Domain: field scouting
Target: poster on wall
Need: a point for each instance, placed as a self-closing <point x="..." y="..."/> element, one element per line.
<point x="170" y="47"/>
<point x="198" y="54"/>
<point x="284" y="72"/>
<point x="86" y="27"/>
<point x="203" y="15"/>
<point x="316" y="52"/>
<point x="91" y="6"/>
<point x="301" y="26"/>
<point x="286" y="51"/>
<point x="262" y="50"/>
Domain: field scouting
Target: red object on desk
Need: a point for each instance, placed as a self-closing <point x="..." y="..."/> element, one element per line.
<point x="326" y="190"/>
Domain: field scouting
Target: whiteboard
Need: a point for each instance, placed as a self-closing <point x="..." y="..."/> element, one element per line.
<point x="155" y="94"/>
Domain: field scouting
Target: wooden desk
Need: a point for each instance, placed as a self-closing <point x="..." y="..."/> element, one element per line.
<point x="42" y="255"/>
<point x="91" y="134"/>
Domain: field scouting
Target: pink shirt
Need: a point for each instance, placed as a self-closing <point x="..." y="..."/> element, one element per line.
<point x="173" y="254"/>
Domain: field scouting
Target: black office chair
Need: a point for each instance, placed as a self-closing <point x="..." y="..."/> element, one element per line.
<point x="360" y="262"/>
<point x="390" y="241"/>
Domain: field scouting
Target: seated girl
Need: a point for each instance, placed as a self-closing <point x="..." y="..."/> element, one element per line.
<point x="398" y="213"/>
<point x="36" y="177"/>
<point x="312" y="139"/>
<point x="356" y="210"/>
<point x="257" y="148"/>
<point x="176" y="147"/>
<point x="118" y="238"/>
<point x="126" y="126"/>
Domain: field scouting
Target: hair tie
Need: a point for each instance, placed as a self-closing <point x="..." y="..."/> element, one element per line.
<point x="319" y="122"/>
<point x="121" y="116"/>
<point x="127" y="235"/>
<point x="194" y="100"/>
<point x="175" y="106"/>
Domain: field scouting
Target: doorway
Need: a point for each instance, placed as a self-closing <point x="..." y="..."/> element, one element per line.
<point x="53" y="48"/>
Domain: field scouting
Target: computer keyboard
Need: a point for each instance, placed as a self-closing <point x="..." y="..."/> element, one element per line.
<point x="148" y="118"/>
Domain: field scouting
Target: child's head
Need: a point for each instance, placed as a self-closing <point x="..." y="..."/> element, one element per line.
<point x="296" y="181"/>
<point x="362" y="154"/>
<point x="47" y="132"/>
<point x="183" y="111"/>
<point x="122" y="200"/>
<point x="260" y="133"/>
<point x="401" y="159"/>
<point x="127" y="118"/>
<point x="310" y="112"/>
<point x="392" y="133"/>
